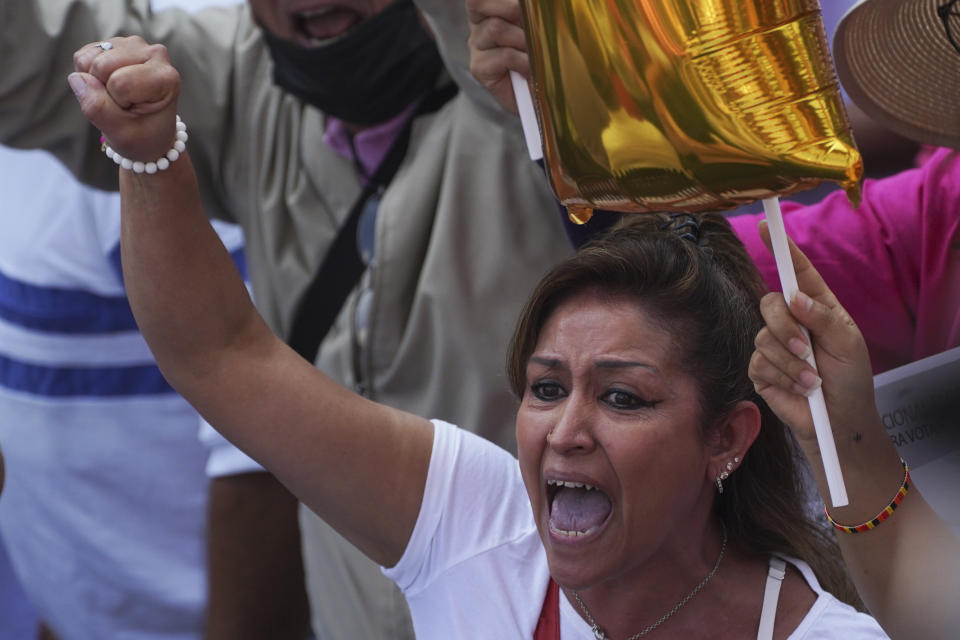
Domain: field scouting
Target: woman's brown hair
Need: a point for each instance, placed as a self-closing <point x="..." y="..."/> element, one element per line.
<point x="692" y="275"/>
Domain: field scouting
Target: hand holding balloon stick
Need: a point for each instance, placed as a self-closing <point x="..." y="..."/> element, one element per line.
<point x="689" y="105"/>
<point x="818" y="405"/>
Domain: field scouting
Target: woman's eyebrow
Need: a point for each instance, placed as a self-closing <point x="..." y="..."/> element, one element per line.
<point x="550" y="363"/>
<point x="623" y="364"/>
<point x="554" y="363"/>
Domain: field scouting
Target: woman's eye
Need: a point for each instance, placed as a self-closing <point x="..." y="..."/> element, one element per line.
<point x="620" y="399"/>
<point x="547" y="390"/>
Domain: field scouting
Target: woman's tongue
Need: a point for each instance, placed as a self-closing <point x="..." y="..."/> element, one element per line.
<point x="578" y="509"/>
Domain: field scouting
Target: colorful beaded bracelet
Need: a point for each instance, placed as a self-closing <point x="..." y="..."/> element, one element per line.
<point x="883" y="515"/>
<point x="161" y="164"/>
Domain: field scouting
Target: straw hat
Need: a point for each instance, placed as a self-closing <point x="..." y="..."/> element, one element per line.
<point x="897" y="64"/>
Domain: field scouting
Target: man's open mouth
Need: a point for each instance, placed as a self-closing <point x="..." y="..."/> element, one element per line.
<point x="318" y="26"/>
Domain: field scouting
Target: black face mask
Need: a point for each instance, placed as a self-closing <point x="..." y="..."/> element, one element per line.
<point x="369" y="75"/>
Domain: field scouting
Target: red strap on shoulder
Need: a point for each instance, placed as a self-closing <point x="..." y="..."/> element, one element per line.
<point x="548" y="626"/>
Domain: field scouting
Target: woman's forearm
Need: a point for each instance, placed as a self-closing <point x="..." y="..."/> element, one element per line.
<point x="189" y="299"/>
<point x="907" y="568"/>
<point x="359" y="465"/>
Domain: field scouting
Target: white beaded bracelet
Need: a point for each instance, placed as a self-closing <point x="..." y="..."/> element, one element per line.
<point x="179" y="144"/>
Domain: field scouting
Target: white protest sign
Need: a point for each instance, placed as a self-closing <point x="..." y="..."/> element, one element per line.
<point x="919" y="404"/>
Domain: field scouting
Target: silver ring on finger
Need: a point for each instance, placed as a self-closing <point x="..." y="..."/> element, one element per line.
<point x="104" y="46"/>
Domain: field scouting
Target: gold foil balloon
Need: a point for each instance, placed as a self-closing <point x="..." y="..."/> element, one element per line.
<point x="686" y="105"/>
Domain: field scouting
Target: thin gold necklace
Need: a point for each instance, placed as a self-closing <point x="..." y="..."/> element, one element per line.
<point x="600" y="635"/>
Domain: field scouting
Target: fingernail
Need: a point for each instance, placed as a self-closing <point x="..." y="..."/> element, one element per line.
<point x="77" y="85"/>
<point x="810" y="381"/>
<point x="804" y="300"/>
<point x="798" y="348"/>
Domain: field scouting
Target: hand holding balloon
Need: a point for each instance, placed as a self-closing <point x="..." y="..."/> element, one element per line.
<point x="497" y="47"/>
<point x="779" y="368"/>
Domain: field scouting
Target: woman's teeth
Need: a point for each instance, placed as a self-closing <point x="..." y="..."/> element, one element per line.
<point x="572" y="485"/>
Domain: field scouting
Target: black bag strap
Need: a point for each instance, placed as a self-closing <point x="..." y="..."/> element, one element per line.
<point x="342" y="266"/>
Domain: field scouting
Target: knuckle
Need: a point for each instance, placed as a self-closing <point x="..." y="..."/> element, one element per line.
<point x="476" y="69"/>
<point x="483" y="69"/>
<point x="99" y="68"/>
<point x="753" y="368"/>
<point x="480" y="36"/>
<point x="170" y="77"/>
<point x="474" y="10"/>
<point x="158" y="51"/>
<point x="761" y="338"/>
<point x="769" y="302"/>
<point x="479" y="9"/>
<point x="122" y="84"/>
<point x="498" y="29"/>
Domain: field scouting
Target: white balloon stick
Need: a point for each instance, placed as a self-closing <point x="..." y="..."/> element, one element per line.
<point x="818" y="406"/>
<point x="528" y="117"/>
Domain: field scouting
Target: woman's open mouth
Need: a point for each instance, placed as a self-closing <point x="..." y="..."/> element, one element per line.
<point x="576" y="508"/>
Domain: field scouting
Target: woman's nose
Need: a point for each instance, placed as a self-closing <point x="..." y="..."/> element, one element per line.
<point x="573" y="431"/>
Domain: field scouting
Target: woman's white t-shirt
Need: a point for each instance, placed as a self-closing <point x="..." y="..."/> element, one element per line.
<point x="475" y="567"/>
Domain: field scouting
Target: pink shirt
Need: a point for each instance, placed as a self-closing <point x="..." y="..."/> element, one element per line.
<point x="894" y="263"/>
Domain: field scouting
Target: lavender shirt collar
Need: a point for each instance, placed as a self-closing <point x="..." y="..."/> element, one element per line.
<point x="371" y="144"/>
